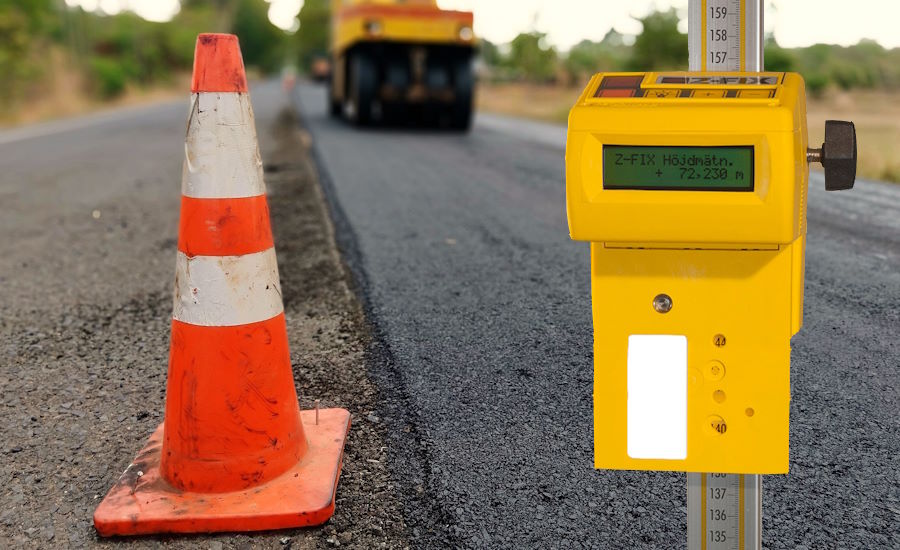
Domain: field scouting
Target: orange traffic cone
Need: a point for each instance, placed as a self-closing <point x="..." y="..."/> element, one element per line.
<point x="235" y="452"/>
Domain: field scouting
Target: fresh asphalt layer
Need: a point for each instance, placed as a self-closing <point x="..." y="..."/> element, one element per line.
<point x="480" y="311"/>
<point x="480" y="305"/>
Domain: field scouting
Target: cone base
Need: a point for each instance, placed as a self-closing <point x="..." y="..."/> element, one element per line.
<point x="142" y="503"/>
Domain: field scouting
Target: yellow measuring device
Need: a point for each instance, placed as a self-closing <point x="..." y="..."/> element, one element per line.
<point x="691" y="188"/>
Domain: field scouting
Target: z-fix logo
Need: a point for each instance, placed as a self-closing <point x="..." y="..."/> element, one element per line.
<point x="720" y="80"/>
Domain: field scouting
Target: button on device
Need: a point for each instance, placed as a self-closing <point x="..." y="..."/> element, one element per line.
<point x="616" y="93"/>
<point x="755" y="94"/>
<point x="662" y="94"/>
<point x="708" y="94"/>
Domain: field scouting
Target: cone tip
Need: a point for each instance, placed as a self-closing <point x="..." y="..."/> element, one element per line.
<point x="218" y="65"/>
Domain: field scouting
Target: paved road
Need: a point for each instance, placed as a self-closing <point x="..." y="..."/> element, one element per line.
<point x="482" y="311"/>
<point x="482" y="356"/>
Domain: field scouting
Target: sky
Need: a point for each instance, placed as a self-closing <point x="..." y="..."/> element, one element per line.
<point x="567" y="22"/>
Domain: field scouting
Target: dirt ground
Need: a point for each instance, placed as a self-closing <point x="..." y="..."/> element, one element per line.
<point x="875" y="113"/>
<point x="63" y="446"/>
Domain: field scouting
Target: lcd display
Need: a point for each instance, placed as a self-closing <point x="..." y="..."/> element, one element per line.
<point x="678" y="168"/>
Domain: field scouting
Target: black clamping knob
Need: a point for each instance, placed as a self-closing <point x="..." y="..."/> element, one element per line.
<point x="837" y="155"/>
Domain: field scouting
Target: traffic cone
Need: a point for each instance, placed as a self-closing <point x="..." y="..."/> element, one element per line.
<point x="235" y="453"/>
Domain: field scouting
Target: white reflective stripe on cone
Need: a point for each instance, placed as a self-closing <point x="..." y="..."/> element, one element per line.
<point x="218" y="291"/>
<point x="221" y="154"/>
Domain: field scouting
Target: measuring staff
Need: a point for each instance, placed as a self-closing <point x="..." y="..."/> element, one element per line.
<point x="692" y="189"/>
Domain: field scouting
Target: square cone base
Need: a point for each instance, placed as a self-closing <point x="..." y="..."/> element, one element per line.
<point x="142" y="503"/>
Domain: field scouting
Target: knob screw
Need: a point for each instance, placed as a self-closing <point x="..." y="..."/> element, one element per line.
<point x="837" y="155"/>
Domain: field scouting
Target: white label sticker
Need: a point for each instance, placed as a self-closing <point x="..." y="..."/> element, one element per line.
<point x="657" y="397"/>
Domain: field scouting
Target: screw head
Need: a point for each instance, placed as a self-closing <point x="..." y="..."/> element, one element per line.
<point x="663" y="303"/>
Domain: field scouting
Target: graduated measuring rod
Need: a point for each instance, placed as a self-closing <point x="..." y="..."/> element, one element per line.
<point x="725" y="510"/>
<point x="691" y="188"/>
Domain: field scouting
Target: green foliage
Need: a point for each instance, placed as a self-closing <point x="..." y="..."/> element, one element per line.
<point x="181" y="33"/>
<point x="531" y="57"/>
<point x="24" y="27"/>
<point x="126" y="48"/>
<point x="262" y="43"/>
<point x="865" y="65"/>
<point x="891" y="173"/>
<point x="587" y="58"/>
<point x="660" y="45"/>
<point x="816" y="84"/>
<point x="489" y="53"/>
<point x="36" y="14"/>
<point x="115" y="52"/>
<point x="14" y="43"/>
<point x="777" y="58"/>
<point x="313" y="37"/>
<point x="109" y="76"/>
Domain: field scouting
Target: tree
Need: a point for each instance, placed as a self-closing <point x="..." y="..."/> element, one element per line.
<point x="660" y="45"/>
<point x="314" y="34"/>
<point x="777" y="58"/>
<point x="587" y="58"/>
<point x="262" y="43"/>
<point x="223" y="11"/>
<point x="490" y="53"/>
<point x="24" y="28"/>
<point x="532" y="58"/>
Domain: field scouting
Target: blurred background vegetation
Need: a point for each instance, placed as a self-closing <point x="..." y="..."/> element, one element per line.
<point x="68" y="57"/>
<point x="661" y="45"/>
<point x="58" y="59"/>
<point x="528" y="77"/>
<point x="41" y="38"/>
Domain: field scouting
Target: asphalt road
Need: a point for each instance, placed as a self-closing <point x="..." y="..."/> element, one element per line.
<point x="481" y="309"/>
<point x="469" y="377"/>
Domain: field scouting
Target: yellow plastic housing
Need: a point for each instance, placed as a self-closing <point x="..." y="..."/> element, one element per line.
<point x="416" y="22"/>
<point x="775" y="126"/>
<point x="732" y="262"/>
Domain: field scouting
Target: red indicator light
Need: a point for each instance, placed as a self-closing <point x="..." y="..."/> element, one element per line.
<point x="633" y="81"/>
